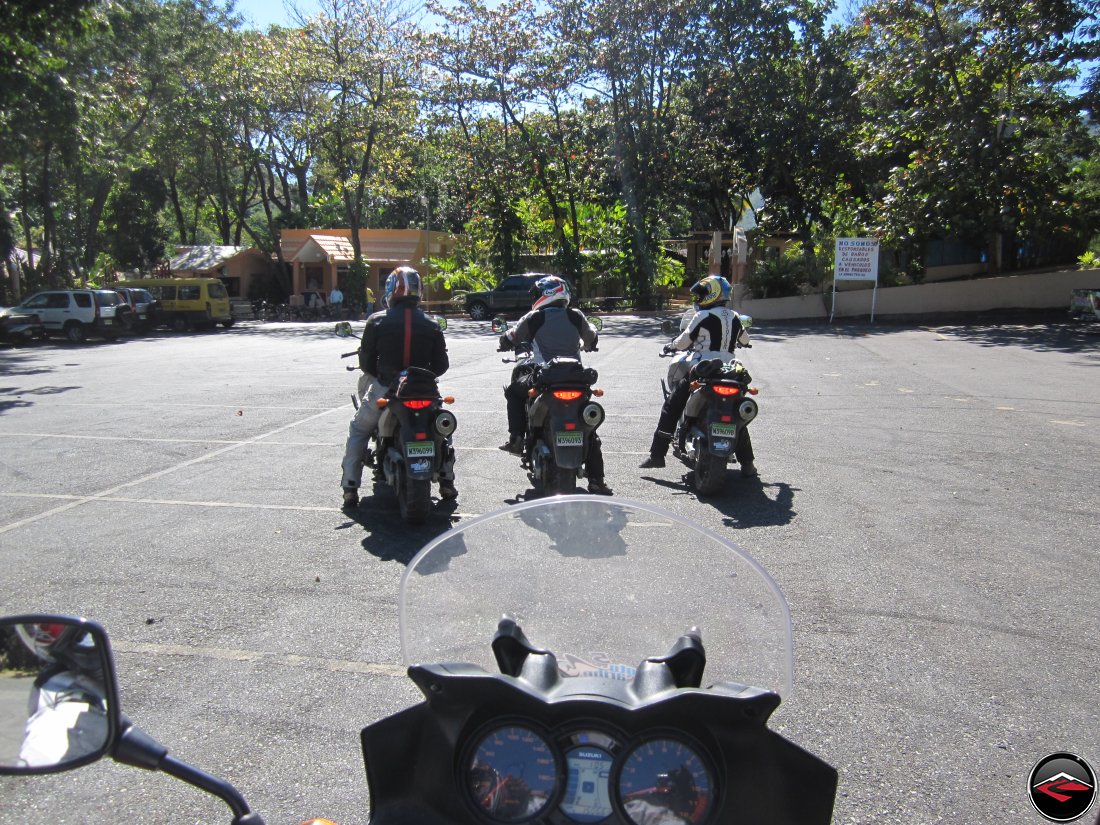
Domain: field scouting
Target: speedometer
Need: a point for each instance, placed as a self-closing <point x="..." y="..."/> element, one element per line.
<point x="668" y="779"/>
<point x="512" y="774"/>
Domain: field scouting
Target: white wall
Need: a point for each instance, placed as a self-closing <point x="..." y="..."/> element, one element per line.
<point x="1043" y="290"/>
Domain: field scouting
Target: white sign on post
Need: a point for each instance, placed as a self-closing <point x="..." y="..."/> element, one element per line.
<point x="856" y="260"/>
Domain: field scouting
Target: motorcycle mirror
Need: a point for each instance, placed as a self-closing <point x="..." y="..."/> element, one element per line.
<point x="500" y="325"/>
<point x="58" y="694"/>
<point x="668" y="327"/>
<point x="597" y="322"/>
<point x="343" y="329"/>
<point x="439" y="319"/>
<point x="746" y="321"/>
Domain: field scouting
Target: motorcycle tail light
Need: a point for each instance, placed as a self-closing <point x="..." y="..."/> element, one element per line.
<point x="567" y="395"/>
<point x="570" y="426"/>
<point x="726" y="419"/>
<point x="421" y="436"/>
<point x="445" y="423"/>
<point x="723" y="390"/>
<point x="418" y="404"/>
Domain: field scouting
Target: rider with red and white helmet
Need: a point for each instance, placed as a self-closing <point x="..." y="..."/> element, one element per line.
<point x="554" y="330"/>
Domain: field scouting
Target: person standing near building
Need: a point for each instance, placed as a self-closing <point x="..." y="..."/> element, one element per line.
<point x="368" y="294"/>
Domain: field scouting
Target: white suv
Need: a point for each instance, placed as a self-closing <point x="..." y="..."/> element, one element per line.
<point x="76" y="312"/>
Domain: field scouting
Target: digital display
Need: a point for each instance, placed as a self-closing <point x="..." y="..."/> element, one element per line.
<point x="588" y="790"/>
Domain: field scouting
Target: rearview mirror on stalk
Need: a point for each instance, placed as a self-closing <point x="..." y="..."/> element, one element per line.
<point x="668" y="327"/>
<point x="58" y="694"/>
<point x="439" y="319"/>
<point x="597" y="322"/>
<point x="499" y="325"/>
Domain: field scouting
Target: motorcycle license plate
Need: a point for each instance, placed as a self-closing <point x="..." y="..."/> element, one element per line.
<point x="420" y="449"/>
<point x="723" y="430"/>
<point x="569" y="439"/>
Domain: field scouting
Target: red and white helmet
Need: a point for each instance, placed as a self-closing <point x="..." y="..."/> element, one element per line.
<point x="551" y="290"/>
<point x="403" y="282"/>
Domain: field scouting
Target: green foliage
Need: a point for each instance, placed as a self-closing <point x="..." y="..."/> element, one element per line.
<point x="1088" y="260"/>
<point x="782" y="276"/>
<point x="134" y="235"/>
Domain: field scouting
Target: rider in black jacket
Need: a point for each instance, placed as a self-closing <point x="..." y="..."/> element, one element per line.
<point x="401" y="336"/>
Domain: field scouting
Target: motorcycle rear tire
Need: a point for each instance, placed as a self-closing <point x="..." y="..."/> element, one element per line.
<point x="558" y="482"/>
<point x="414" y="497"/>
<point x="710" y="472"/>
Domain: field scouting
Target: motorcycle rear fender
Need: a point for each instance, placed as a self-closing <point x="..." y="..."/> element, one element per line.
<point x="561" y="413"/>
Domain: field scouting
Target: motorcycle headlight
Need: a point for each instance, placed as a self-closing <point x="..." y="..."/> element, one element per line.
<point x="445" y="423"/>
<point x="748" y="410"/>
<point x="592" y="415"/>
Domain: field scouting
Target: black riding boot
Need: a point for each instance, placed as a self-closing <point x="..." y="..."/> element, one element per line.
<point x="658" y="449"/>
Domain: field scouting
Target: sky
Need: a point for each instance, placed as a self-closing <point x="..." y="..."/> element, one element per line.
<point x="265" y="13"/>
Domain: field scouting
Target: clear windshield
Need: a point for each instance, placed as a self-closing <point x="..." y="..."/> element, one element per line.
<point x="604" y="584"/>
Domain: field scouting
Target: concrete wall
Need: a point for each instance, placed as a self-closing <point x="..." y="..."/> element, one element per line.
<point x="1043" y="290"/>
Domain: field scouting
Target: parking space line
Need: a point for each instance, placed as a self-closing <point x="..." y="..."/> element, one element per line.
<point x="160" y="473"/>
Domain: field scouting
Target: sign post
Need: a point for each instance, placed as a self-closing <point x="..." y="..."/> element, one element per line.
<point x="856" y="260"/>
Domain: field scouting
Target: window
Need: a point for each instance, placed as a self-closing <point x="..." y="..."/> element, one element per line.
<point x="107" y="299"/>
<point x="515" y="282"/>
<point x="82" y="299"/>
<point x="38" y="301"/>
<point x="217" y="291"/>
<point x="189" y="293"/>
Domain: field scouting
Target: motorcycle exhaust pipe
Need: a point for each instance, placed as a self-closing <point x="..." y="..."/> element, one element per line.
<point x="748" y="410"/>
<point x="445" y="423"/>
<point x="592" y="415"/>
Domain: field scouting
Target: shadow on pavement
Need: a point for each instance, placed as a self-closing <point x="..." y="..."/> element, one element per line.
<point x="745" y="502"/>
<point x="388" y="537"/>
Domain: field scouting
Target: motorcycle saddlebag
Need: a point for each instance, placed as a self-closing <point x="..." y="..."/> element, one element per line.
<point x="566" y="371"/>
<point x="415" y="382"/>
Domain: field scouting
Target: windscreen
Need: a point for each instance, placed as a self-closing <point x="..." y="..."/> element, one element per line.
<point x="604" y="584"/>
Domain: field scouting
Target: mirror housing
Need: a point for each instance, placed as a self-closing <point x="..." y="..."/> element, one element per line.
<point x="439" y="319"/>
<point x="597" y="322"/>
<point x="668" y="327"/>
<point x="499" y="325"/>
<point x="59" y="706"/>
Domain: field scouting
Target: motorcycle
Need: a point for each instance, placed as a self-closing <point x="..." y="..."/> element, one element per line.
<point x="561" y="415"/>
<point x="721" y="405"/>
<point x="412" y="445"/>
<point x="533" y="710"/>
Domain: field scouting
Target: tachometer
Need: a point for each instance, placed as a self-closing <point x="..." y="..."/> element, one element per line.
<point x="512" y="774"/>
<point x="668" y="779"/>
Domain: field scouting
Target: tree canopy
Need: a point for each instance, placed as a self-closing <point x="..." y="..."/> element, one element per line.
<point x="593" y="131"/>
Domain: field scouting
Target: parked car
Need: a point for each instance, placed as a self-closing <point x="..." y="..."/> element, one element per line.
<point x="21" y="327"/>
<point x="143" y="304"/>
<point x="184" y="303"/>
<point x="511" y="295"/>
<point x="76" y="313"/>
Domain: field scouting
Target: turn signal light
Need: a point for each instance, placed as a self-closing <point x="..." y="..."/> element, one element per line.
<point x="418" y="404"/>
<point x="726" y="391"/>
<point x="382" y="403"/>
<point x="531" y="393"/>
<point x="567" y="395"/>
<point x="753" y="390"/>
<point x="448" y="399"/>
<point x="598" y="393"/>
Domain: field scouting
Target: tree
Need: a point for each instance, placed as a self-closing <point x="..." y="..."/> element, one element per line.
<point x="970" y="124"/>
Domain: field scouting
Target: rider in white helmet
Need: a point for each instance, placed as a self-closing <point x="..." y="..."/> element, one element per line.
<point x="712" y="334"/>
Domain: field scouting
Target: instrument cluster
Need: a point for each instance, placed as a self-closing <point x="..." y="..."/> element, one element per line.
<point x="516" y="771"/>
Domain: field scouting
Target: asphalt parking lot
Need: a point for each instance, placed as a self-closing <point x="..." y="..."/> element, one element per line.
<point x="927" y="501"/>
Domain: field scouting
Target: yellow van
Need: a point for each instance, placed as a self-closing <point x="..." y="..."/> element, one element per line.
<point x="187" y="302"/>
